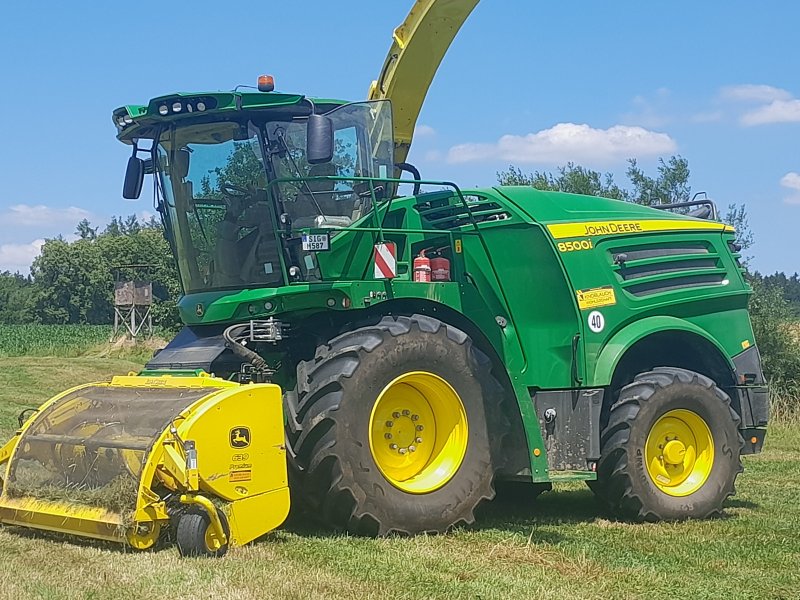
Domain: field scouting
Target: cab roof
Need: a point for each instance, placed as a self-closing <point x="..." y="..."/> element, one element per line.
<point x="144" y="120"/>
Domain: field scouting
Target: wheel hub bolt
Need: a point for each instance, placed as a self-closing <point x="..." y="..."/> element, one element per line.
<point x="420" y="428"/>
<point x="402" y="451"/>
<point x="389" y="424"/>
<point x="406" y="412"/>
<point x="396" y="415"/>
<point x="393" y="446"/>
<point x="415" y="417"/>
<point x="388" y="436"/>
<point x="412" y="448"/>
<point x="418" y="440"/>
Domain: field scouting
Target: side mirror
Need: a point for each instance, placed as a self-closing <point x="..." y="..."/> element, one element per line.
<point x="180" y="164"/>
<point x="134" y="177"/>
<point x="319" y="140"/>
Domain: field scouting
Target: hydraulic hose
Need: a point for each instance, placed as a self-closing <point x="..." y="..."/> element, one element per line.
<point x="241" y="350"/>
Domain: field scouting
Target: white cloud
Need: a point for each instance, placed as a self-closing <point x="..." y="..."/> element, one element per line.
<point x="566" y="142"/>
<point x="423" y="131"/>
<point x="750" y="92"/>
<point x="18" y="257"/>
<point x="26" y="215"/>
<point x="774" y="105"/>
<point x="777" y="111"/>
<point x="791" y="181"/>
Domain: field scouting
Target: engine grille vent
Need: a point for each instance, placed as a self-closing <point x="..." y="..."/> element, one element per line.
<point x="649" y="269"/>
<point x="447" y="211"/>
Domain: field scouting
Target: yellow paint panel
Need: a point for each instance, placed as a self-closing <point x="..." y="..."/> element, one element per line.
<point x="630" y="226"/>
<point x="596" y="297"/>
<point x="169" y="381"/>
<point x="252" y="517"/>
<point x="73" y="519"/>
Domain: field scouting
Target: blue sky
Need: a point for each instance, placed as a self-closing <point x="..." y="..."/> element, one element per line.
<point x="535" y="84"/>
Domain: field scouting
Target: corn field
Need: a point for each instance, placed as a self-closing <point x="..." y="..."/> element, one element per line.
<point x="51" y="340"/>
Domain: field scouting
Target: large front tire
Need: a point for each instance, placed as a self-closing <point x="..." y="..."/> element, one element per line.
<point x="671" y="448"/>
<point x="389" y="433"/>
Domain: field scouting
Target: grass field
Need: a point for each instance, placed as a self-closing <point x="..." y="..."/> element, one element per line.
<point x="561" y="546"/>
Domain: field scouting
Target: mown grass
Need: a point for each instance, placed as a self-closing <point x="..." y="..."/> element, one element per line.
<point x="561" y="546"/>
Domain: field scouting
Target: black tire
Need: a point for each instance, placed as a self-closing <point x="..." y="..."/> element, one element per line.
<point x="335" y="475"/>
<point x="623" y="484"/>
<point x="190" y="534"/>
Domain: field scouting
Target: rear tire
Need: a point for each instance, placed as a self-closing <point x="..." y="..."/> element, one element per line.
<point x="671" y="448"/>
<point x="345" y="476"/>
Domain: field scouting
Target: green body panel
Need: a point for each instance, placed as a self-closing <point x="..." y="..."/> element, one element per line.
<point x="511" y="269"/>
<point x="522" y="264"/>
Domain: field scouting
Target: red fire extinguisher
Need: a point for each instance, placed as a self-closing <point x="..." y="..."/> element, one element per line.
<point x="422" y="268"/>
<point x="440" y="267"/>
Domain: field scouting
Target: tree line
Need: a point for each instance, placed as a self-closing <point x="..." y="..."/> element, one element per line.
<point x="72" y="282"/>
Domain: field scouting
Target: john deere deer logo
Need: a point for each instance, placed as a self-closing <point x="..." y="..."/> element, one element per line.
<point x="240" y="437"/>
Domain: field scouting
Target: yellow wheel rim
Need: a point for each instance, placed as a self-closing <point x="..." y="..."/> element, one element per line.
<point x="418" y="432"/>
<point x="679" y="452"/>
<point x="213" y="542"/>
<point x="144" y="536"/>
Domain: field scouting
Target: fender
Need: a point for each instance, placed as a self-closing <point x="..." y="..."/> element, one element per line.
<point x="418" y="47"/>
<point x="622" y="340"/>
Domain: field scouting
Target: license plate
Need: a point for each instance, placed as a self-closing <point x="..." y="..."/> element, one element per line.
<point x="316" y="242"/>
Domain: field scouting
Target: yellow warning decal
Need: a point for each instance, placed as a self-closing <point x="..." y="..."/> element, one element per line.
<point x="622" y="227"/>
<point x="596" y="297"/>
<point x="240" y="476"/>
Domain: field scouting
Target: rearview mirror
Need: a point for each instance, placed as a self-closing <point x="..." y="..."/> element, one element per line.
<point x="134" y="177"/>
<point x="319" y="141"/>
<point x="180" y="164"/>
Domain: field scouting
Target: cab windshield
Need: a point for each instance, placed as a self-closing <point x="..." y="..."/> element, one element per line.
<point x="229" y="188"/>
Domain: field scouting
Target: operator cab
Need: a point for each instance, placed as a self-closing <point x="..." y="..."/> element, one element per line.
<point x="238" y="188"/>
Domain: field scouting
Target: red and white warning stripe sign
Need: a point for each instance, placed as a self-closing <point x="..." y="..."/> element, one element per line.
<point x="385" y="260"/>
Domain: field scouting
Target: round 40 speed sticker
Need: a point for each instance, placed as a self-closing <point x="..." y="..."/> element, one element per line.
<point x="596" y="321"/>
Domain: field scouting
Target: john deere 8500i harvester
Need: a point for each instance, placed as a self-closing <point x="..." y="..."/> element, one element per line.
<point x="425" y="346"/>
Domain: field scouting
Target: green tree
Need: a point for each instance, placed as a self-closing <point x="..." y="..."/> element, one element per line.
<point x="73" y="282"/>
<point x="671" y="184"/>
<point x="571" y="178"/>
<point x="16" y="296"/>
<point x="775" y="329"/>
<point x="85" y="231"/>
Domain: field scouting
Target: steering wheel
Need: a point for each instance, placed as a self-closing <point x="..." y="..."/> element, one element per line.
<point x="235" y="197"/>
<point x="234" y="191"/>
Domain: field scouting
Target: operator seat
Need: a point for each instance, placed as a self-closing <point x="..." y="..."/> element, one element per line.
<point x="247" y="250"/>
<point x="305" y="209"/>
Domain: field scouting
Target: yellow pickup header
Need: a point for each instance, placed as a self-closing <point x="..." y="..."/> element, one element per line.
<point x="626" y="226"/>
